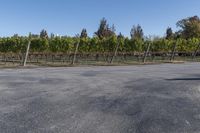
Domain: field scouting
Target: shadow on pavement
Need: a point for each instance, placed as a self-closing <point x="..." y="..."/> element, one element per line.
<point x="184" y="79"/>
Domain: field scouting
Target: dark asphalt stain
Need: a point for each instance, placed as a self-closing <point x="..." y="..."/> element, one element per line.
<point x="52" y="81"/>
<point x="90" y="74"/>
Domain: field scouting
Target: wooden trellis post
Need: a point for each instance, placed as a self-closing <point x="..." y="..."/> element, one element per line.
<point x="196" y="51"/>
<point x="75" y="53"/>
<point x="27" y="51"/>
<point x="146" y="52"/>
<point x="115" y="53"/>
<point x="173" y="52"/>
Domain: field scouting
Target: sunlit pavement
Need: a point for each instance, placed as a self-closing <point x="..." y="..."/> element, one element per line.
<point x="137" y="99"/>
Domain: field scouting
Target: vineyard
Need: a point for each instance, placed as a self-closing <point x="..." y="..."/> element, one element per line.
<point x="93" y="51"/>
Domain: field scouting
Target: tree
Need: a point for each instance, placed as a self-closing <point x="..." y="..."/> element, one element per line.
<point x="190" y="27"/>
<point x="121" y="40"/>
<point x="120" y="35"/>
<point x="43" y="34"/>
<point x="16" y="35"/>
<point x="52" y="36"/>
<point x="169" y="33"/>
<point x="137" y="32"/>
<point x="84" y="34"/>
<point x="104" y="30"/>
<point x="35" y="36"/>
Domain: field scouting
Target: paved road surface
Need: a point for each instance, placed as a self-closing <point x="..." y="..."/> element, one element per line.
<point x="127" y="99"/>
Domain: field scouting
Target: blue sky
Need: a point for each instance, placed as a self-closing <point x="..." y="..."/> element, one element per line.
<point x="68" y="17"/>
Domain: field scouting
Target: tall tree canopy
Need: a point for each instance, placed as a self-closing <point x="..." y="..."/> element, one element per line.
<point x="169" y="33"/>
<point x="43" y="34"/>
<point x="104" y="30"/>
<point x="84" y="34"/>
<point x="137" y="32"/>
<point x="190" y="27"/>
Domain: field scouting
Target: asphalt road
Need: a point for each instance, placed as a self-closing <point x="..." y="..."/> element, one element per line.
<point x="127" y="99"/>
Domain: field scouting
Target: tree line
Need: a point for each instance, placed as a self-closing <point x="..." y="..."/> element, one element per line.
<point x="105" y="39"/>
